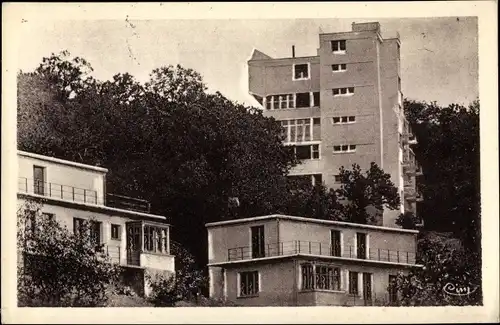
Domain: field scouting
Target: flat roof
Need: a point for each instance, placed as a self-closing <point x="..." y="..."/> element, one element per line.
<point x="311" y="220"/>
<point x="61" y="161"/>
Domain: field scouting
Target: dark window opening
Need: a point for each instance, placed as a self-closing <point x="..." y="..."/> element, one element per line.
<point x="316" y="121"/>
<point x="303" y="100"/>
<point x="338" y="179"/>
<point x="367" y="286"/>
<point x="316" y="98"/>
<point x="303" y="152"/>
<point x="318" y="179"/>
<point x="115" y="232"/>
<point x="301" y="71"/>
<point x="351" y="90"/>
<point x="393" y="292"/>
<point x="249" y="285"/>
<point x="258" y="245"/>
<point x="336" y="120"/>
<point x="361" y="245"/>
<point x="352" y="118"/>
<point x="39" y="180"/>
<point x="335" y="234"/>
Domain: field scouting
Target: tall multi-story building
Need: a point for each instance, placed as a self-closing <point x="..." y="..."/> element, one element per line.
<point x="280" y="260"/>
<point x="342" y="106"/>
<point x="134" y="238"/>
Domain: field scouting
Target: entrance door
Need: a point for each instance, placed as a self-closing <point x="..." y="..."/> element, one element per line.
<point x="134" y="243"/>
<point x="367" y="288"/>
<point x="39" y="180"/>
<point x="258" y="246"/>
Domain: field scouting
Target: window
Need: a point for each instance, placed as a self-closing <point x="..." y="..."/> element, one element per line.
<point x="316" y="98"/>
<point x="115" y="232"/>
<point x="339" y="67"/>
<point x="343" y="119"/>
<point x="346" y="148"/>
<point x="282" y="101"/>
<point x="393" y="292"/>
<point x="338" y="179"/>
<point x="315" y="151"/>
<point x="303" y="100"/>
<point x="346" y="91"/>
<point x="320" y="277"/>
<point x="301" y="71"/>
<point x="361" y="245"/>
<point x="353" y="283"/>
<point x="335" y="240"/>
<point x="39" y="180"/>
<point x="316" y="121"/>
<point x="249" y="283"/>
<point x="155" y="239"/>
<point x="258" y="246"/>
<point x="338" y="46"/>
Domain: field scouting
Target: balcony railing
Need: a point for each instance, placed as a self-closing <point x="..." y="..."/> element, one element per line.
<point x="81" y="195"/>
<point x="59" y="191"/>
<point x="321" y="249"/>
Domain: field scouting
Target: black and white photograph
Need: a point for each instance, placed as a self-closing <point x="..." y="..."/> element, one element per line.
<point x="168" y="157"/>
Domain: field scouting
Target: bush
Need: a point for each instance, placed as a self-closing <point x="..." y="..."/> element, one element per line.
<point x="59" y="268"/>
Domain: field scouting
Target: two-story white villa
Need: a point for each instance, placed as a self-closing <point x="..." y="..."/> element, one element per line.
<point x="280" y="260"/>
<point x="133" y="237"/>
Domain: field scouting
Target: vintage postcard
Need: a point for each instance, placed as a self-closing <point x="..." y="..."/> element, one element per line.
<point x="250" y="162"/>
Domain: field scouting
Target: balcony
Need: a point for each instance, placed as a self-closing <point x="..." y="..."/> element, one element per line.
<point x="320" y="249"/>
<point x="80" y="195"/>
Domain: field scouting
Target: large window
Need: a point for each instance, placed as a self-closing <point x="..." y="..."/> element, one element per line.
<point x="249" y="283"/>
<point x="322" y="277"/>
<point x="155" y="239"/>
<point x="93" y="229"/>
<point x="258" y="245"/>
<point x="297" y="130"/>
<point x="300" y="71"/>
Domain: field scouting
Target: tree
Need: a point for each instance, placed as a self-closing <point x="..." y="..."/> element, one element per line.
<point x="362" y="192"/>
<point x="407" y="220"/>
<point x="446" y="270"/>
<point x="448" y="150"/>
<point x="59" y="268"/>
<point x="187" y="282"/>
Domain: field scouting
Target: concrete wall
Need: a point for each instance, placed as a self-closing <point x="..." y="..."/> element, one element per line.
<point x="291" y="231"/>
<point x="222" y="238"/>
<point x="277" y="283"/>
<point x="280" y="284"/>
<point x="61" y="174"/>
<point x="158" y="261"/>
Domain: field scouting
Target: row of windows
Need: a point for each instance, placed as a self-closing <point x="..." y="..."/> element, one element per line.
<point x="295" y="100"/>
<point x="319" y="277"/>
<point x="312" y="151"/>
<point x="345" y="148"/>
<point x="343" y="119"/>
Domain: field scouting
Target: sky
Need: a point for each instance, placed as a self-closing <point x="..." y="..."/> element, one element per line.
<point x="439" y="56"/>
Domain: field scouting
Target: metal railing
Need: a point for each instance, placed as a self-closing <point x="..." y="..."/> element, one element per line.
<point x="321" y="249"/>
<point x="60" y="191"/>
<point x="82" y="195"/>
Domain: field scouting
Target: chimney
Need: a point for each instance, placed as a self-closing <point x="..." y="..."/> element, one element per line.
<point x="293" y="51"/>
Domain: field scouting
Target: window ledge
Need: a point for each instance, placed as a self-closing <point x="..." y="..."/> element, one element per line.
<point x="249" y="296"/>
<point x="343" y="95"/>
<point x="298" y="79"/>
<point x="339" y="52"/>
<point x="338" y="71"/>
<point x="116" y="239"/>
<point x="322" y="290"/>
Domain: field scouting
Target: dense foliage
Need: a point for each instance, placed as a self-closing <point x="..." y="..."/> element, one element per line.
<point x="59" y="268"/>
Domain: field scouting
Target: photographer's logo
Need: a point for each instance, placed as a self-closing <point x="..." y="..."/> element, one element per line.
<point x="456" y="289"/>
